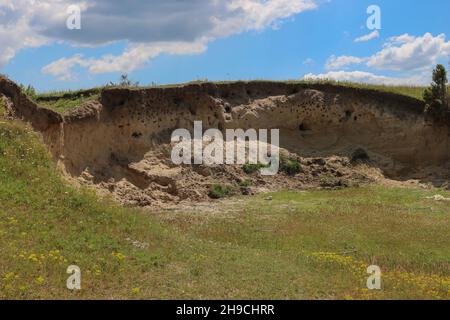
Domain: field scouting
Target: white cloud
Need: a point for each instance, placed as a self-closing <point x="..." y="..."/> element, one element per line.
<point x="133" y="58"/>
<point x="62" y="68"/>
<point x="146" y="21"/>
<point x="399" y="40"/>
<point x="373" y="35"/>
<point x="367" y="77"/>
<point x="257" y="15"/>
<point x="136" y="56"/>
<point x="401" y="53"/>
<point x="410" y="53"/>
<point x="342" y="61"/>
<point x="15" y="30"/>
<point x="150" y="27"/>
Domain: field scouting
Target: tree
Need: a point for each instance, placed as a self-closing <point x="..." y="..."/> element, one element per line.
<point x="435" y="97"/>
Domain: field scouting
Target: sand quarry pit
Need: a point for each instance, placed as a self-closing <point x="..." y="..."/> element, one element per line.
<point x="120" y="144"/>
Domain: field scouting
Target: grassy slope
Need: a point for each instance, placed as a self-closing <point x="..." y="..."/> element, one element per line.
<point x="299" y="245"/>
<point x="64" y="104"/>
<point x="411" y="91"/>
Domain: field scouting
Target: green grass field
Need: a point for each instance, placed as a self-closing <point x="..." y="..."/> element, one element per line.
<point x="299" y="245"/>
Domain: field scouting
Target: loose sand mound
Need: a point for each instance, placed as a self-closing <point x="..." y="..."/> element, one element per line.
<point x="121" y="143"/>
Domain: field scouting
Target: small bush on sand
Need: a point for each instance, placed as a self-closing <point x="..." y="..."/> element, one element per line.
<point x="124" y="82"/>
<point x="220" y="191"/>
<point x="290" y="167"/>
<point x="251" y="168"/>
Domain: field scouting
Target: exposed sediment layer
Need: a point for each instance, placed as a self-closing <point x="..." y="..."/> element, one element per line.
<point x="122" y="141"/>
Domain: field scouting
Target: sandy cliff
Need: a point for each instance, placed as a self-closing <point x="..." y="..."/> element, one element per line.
<point x="121" y="143"/>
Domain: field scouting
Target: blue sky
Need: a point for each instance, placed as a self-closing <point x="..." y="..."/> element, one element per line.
<point x="313" y="38"/>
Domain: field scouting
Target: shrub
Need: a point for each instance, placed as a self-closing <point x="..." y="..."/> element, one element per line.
<point x="245" y="183"/>
<point x="124" y="81"/>
<point x="250" y="168"/>
<point x="290" y="167"/>
<point x="219" y="191"/>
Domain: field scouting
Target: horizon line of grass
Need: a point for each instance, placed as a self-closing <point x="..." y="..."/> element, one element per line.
<point x="406" y="90"/>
